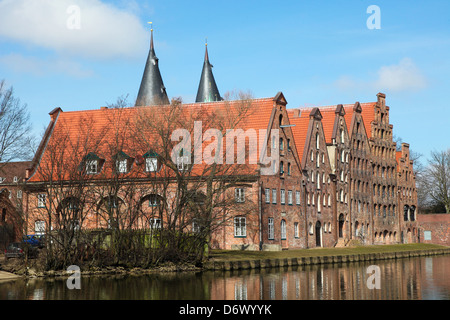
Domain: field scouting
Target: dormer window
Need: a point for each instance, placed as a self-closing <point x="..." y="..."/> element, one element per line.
<point x="123" y="162"/>
<point x="122" y="166"/>
<point x="183" y="163"/>
<point x="92" y="167"/>
<point x="92" y="163"/>
<point x="151" y="164"/>
<point x="151" y="161"/>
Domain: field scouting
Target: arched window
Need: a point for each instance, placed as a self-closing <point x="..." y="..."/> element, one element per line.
<point x="311" y="228"/>
<point x="412" y="213"/>
<point x="317" y="141"/>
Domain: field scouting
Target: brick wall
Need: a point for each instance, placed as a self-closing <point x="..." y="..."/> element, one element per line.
<point x="435" y="225"/>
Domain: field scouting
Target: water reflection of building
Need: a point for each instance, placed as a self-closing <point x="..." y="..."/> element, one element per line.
<point x="399" y="280"/>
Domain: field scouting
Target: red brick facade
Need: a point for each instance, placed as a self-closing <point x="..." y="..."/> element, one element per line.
<point x="338" y="178"/>
<point x="434" y="228"/>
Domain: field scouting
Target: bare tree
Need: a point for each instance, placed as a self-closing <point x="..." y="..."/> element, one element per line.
<point x="65" y="197"/>
<point x="193" y="199"/>
<point x="437" y="178"/>
<point x="15" y="139"/>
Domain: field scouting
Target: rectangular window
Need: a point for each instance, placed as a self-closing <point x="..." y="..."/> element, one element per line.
<point x="39" y="228"/>
<point x="91" y="167"/>
<point x="267" y="193"/>
<point x="290" y="197"/>
<point x="151" y="164"/>
<point x="122" y="166"/>
<point x="282" y="196"/>
<point x="270" y="230"/>
<point x="297" y="197"/>
<point x="240" y="227"/>
<point x="274" y="196"/>
<point x="41" y="200"/>
<point x="183" y="163"/>
<point x="283" y="230"/>
<point x="296" y="234"/>
<point x="239" y="194"/>
<point x="195" y="226"/>
<point x="155" y="223"/>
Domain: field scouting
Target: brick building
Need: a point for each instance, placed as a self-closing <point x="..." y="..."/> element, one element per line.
<point x="335" y="173"/>
<point x="12" y="176"/>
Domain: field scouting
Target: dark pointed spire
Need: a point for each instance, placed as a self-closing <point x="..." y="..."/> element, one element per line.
<point x="207" y="89"/>
<point x="152" y="90"/>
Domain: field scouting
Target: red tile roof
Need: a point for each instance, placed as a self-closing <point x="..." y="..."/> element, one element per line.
<point x="96" y="131"/>
<point x="300" y="130"/>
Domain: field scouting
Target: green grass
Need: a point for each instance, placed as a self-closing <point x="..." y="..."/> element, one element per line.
<point x="229" y="255"/>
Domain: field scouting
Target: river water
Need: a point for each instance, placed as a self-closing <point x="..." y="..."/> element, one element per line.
<point x="422" y="278"/>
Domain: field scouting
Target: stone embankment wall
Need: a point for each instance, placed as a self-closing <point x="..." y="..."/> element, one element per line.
<point x="287" y="262"/>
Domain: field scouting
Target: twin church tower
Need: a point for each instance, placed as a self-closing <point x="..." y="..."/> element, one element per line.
<point x="153" y="92"/>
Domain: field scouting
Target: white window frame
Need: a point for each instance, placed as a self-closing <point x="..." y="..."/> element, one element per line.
<point x="240" y="227"/>
<point x="239" y="195"/>
<point x="283" y="229"/>
<point x="270" y="229"/>
<point x="92" y="167"/>
<point x="296" y="233"/>
<point x="282" y="196"/>
<point x="267" y="194"/>
<point x="297" y="197"/>
<point x="122" y="166"/>
<point x="290" y="197"/>
<point x="151" y="164"/>
<point x="155" y="223"/>
<point x="41" y="200"/>
<point x="274" y="196"/>
<point x="39" y="227"/>
<point x="183" y="163"/>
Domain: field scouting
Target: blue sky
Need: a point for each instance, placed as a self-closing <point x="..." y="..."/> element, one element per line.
<point x="315" y="52"/>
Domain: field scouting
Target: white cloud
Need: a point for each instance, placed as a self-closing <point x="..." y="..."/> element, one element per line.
<point x="404" y="76"/>
<point x="104" y="31"/>
<point x="41" y="67"/>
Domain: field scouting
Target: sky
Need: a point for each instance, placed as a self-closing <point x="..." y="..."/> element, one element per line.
<point x="84" y="54"/>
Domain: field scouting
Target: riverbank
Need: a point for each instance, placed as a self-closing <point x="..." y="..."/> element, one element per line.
<point x="239" y="260"/>
<point x="225" y="260"/>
